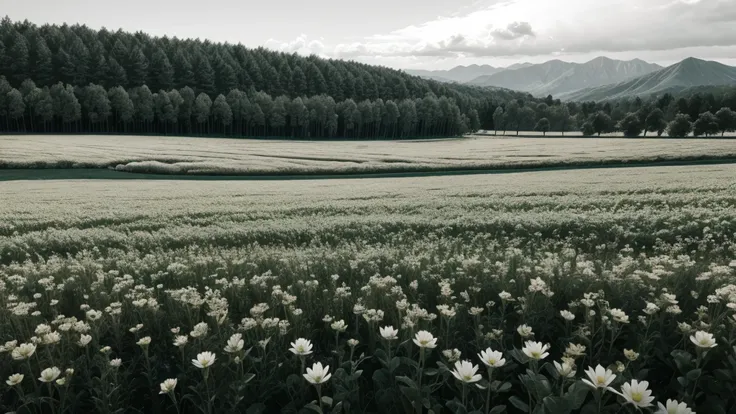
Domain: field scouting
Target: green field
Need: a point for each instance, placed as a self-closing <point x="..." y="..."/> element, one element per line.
<point x="174" y="253"/>
<point x="210" y="156"/>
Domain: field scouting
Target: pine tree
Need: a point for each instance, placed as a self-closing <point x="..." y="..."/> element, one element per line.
<point x="116" y="75"/>
<point x="298" y="85"/>
<point x="79" y="56"/>
<point x="205" y="76"/>
<point x="96" y="103"/>
<point x="137" y="69"/>
<point x="202" y="107"/>
<point x="41" y="63"/>
<point x="161" y="73"/>
<point x="221" y="112"/>
<point x="17" y="55"/>
<point x="121" y="104"/>
<point x="183" y="72"/>
<point x="316" y="84"/>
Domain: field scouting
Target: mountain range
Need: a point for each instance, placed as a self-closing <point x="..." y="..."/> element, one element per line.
<point x="686" y="74"/>
<point x="599" y="79"/>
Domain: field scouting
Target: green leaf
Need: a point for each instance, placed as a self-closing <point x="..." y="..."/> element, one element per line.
<point x="694" y="374"/>
<point x="518" y="403"/>
<point x="314" y="407"/>
<point x="498" y="409"/>
<point x="248" y="377"/>
<point x="327" y="401"/>
<point x="556" y="405"/>
<point x="408" y="381"/>
<point x="394" y="364"/>
<point x="430" y="372"/>
<point x="505" y="387"/>
<point x="576" y="394"/>
<point x="683" y="360"/>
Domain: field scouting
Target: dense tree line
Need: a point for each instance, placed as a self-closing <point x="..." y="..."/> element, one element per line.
<point x="93" y="109"/>
<point x="47" y="67"/>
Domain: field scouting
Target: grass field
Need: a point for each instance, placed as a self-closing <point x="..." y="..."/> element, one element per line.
<point x="642" y="258"/>
<point x="173" y="155"/>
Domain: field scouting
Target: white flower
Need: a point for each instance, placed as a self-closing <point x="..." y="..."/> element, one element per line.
<point x="525" y="331"/>
<point x="199" y="330"/>
<point x="575" y="350"/>
<point x="703" y="340"/>
<point x="566" y="370"/>
<point x="619" y="315"/>
<point x="168" y="386"/>
<point x="424" y="339"/>
<point x="234" y="344"/>
<point x="599" y="377"/>
<point x="144" y="342"/>
<point x="23" y="351"/>
<point x="389" y="333"/>
<point x="51" y="338"/>
<point x="204" y="360"/>
<point x="631" y="355"/>
<point x="301" y="347"/>
<point x="353" y="343"/>
<point x="115" y="363"/>
<point x="451" y="355"/>
<point x="339" y="326"/>
<point x="504" y="295"/>
<point x="637" y="393"/>
<point x="180" y="340"/>
<point x="535" y="350"/>
<point x="673" y="407"/>
<point x="567" y="315"/>
<point x="465" y="371"/>
<point x="49" y="374"/>
<point x="317" y="374"/>
<point x="84" y="340"/>
<point x="15" y="379"/>
<point x="491" y="358"/>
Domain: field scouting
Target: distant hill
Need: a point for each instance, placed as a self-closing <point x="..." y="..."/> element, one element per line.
<point x="557" y="77"/>
<point x="459" y="74"/>
<point x="687" y="74"/>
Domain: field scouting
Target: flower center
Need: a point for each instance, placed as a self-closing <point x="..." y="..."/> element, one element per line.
<point x="318" y="378"/>
<point x="492" y="361"/>
<point x="703" y="341"/>
<point x="636" y="396"/>
<point x="600" y="379"/>
<point x="536" y="354"/>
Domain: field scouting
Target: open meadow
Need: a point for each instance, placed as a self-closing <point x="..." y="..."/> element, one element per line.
<point x="532" y="277"/>
<point x="212" y="156"/>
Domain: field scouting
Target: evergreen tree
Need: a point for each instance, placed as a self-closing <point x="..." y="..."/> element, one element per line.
<point x="186" y="110"/>
<point x="183" y="72"/>
<point x="15" y="106"/>
<point x="96" y="103"/>
<point x="298" y="86"/>
<point x="137" y="69"/>
<point x="315" y="81"/>
<point x="221" y="112"/>
<point x="202" y="107"/>
<point x="279" y="113"/>
<point x="121" y="105"/>
<point x="408" y="118"/>
<point x="43" y="109"/>
<point x="17" y="58"/>
<point x="205" y="76"/>
<point x="78" y="56"/>
<point x="116" y="75"/>
<point x="161" y="73"/>
<point x="143" y="104"/>
<point x="41" y="63"/>
<point x="391" y="119"/>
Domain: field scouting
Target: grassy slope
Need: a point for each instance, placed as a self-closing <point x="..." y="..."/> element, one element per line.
<point x="198" y="156"/>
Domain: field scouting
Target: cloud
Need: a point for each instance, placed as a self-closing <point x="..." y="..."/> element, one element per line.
<point x="513" y="31"/>
<point x="517" y="28"/>
<point x="301" y="45"/>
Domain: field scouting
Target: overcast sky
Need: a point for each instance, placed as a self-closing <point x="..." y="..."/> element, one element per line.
<point x="427" y="34"/>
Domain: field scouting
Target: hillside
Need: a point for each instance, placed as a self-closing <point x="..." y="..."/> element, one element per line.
<point x="460" y="74"/>
<point x="556" y="77"/>
<point x="689" y="73"/>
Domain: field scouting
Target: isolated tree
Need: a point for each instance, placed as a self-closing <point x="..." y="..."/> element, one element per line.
<point x="631" y="125"/>
<point x="655" y="122"/>
<point x="542" y="126"/>
<point x="601" y="122"/>
<point x="680" y="126"/>
<point x="221" y="112"/>
<point x="706" y="124"/>
<point x="499" y="120"/>
<point x="587" y="128"/>
<point x="726" y="120"/>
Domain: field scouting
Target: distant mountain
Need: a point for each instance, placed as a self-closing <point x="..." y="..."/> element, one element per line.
<point x="460" y="74"/>
<point x="519" y="65"/>
<point x="557" y="77"/>
<point x="689" y="73"/>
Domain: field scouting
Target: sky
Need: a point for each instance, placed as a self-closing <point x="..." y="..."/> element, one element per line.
<point x="424" y="34"/>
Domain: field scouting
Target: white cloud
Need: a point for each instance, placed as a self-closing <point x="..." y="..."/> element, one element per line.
<point x="301" y="45"/>
<point x="543" y="27"/>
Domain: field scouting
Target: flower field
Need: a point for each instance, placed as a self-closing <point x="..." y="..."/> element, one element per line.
<point x="587" y="291"/>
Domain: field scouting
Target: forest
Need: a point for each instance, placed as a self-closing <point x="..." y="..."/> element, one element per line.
<point x="73" y="79"/>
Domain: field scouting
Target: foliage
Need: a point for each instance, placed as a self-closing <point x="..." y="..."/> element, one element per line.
<point x="640" y="259"/>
